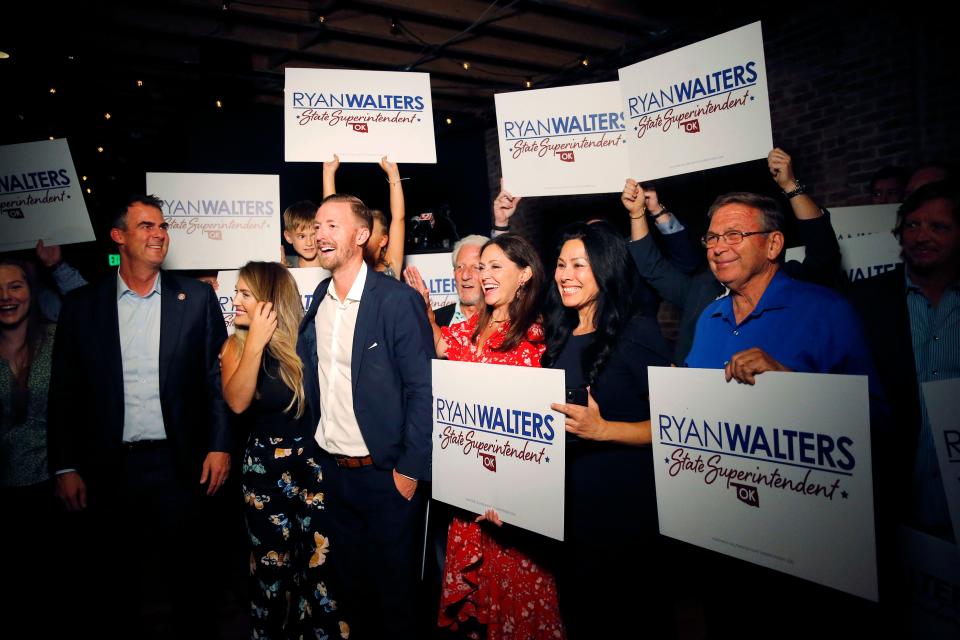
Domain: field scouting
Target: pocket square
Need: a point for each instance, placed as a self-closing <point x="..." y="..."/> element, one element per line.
<point x="372" y="346"/>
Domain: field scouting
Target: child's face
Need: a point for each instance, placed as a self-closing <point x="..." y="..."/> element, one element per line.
<point x="304" y="241"/>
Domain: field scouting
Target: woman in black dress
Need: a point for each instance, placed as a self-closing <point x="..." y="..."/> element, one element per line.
<point x="263" y="378"/>
<point x="594" y="333"/>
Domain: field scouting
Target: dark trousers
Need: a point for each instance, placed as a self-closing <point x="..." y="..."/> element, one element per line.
<point x="376" y="546"/>
<point x="151" y="545"/>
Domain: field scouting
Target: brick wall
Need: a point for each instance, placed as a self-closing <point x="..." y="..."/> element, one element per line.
<point x="860" y="93"/>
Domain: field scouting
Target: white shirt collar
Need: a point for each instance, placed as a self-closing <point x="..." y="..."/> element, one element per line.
<point x="356" y="289"/>
<point x="123" y="288"/>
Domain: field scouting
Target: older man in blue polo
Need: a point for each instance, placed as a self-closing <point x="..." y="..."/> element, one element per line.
<point x="766" y="320"/>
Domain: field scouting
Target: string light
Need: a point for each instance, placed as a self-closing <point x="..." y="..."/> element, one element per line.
<point x="585" y="61"/>
<point x="53" y="90"/>
<point x="99" y="149"/>
<point x="219" y="104"/>
<point x="107" y="116"/>
<point x="466" y="66"/>
<point x="139" y="83"/>
<point x="449" y="120"/>
<point x="528" y="83"/>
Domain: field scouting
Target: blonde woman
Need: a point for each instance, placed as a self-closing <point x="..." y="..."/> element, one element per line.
<point x="263" y="379"/>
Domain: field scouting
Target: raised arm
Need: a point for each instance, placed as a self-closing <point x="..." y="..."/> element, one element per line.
<point x="822" y="261"/>
<point x="398" y="222"/>
<point x="670" y="282"/>
<point x="504" y="206"/>
<point x="330" y="176"/>
<point x="411" y="275"/>
<point x="66" y="277"/>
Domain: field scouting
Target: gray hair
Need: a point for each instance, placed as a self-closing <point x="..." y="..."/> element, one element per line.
<point x="471" y="240"/>
<point x="771" y="215"/>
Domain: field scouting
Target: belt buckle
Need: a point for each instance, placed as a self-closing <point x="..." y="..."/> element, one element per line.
<point x="353" y="462"/>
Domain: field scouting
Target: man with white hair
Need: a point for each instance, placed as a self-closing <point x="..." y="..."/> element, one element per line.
<point x="466" y="274"/>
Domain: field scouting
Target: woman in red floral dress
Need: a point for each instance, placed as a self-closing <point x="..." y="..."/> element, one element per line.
<point x="488" y="583"/>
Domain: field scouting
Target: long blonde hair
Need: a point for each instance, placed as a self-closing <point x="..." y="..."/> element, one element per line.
<point x="272" y="282"/>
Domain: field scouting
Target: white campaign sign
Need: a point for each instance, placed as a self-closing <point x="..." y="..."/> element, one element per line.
<point x="497" y="444"/>
<point x="931" y="568"/>
<point x="219" y="220"/>
<point x="437" y="272"/>
<point x="40" y="196"/>
<point x="852" y="222"/>
<point x="307" y="280"/>
<point x="563" y="141"/>
<point x="699" y="107"/>
<point x="765" y="474"/>
<point x="863" y="256"/>
<point x="359" y="115"/>
<point x="941" y="401"/>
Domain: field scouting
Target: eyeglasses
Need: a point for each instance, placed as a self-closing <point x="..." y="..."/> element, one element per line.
<point x="710" y="240"/>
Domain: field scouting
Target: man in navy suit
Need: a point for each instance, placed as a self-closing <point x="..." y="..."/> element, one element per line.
<point x="138" y="431"/>
<point x="366" y="347"/>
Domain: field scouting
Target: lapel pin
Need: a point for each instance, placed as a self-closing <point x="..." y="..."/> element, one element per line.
<point x="181" y="296"/>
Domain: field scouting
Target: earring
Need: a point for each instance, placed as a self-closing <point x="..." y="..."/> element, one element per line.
<point x="516" y="296"/>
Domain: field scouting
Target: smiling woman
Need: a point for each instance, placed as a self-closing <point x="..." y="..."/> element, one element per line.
<point x="495" y="581"/>
<point x="263" y="379"/>
<point x="595" y="334"/>
<point x="26" y="347"/>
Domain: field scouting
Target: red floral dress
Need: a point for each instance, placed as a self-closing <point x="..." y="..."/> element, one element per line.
<point x="495" y="584"/>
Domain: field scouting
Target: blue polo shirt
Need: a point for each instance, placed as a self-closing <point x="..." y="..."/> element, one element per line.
<point x="803" y="326"/>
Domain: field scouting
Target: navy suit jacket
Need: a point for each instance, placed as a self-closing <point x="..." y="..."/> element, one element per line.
<point x="881" y="302"/>
<point x="86" y="405"/>
<point x="391" y="372"/>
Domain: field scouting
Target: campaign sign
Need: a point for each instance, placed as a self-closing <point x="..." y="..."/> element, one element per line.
<point x="437" y="272"/>
<point x="863" y="256"/>
<point x="563" y="141"/>
<point x="777" y="473"/>
<point x="218" y="220"/>
<point x="853" y="222"/>
<point x="40" y="196"/>
<point x="941" y="400"/>
<point x="497" y="444"/>
<point x="359" y="115"/>
<point x="699" y="107"/>
<point x="931" y="570"/>
<point x="307" y="280"/>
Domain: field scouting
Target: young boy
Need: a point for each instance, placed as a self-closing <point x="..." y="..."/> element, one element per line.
<point x="298" y="229"/>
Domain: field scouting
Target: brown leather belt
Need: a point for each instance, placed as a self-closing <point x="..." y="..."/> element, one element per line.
<point x="353" y="462"/>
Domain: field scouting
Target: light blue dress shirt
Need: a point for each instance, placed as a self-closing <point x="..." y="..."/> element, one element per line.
<point x="935" y="332"/>
<point x="139" y="321"/>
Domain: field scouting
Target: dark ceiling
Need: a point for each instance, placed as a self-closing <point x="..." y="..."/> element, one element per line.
<point x="187" y="54"/>
<point x="197" y="85"/>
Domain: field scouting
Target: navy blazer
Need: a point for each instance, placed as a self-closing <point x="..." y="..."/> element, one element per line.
<point x="391" y="372"/>
<point x="86" y="406"/>
<point x="881" y="302"/>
